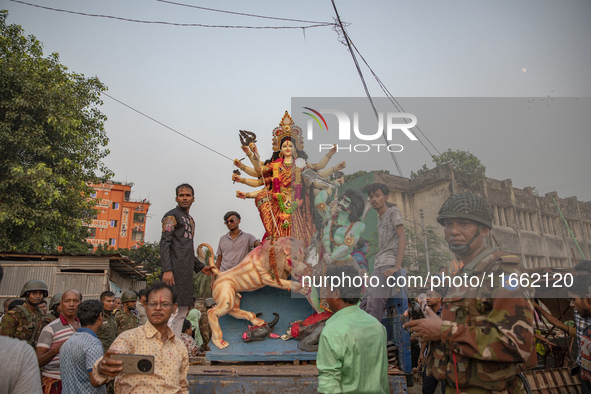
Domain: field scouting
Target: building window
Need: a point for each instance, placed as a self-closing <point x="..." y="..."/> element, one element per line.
<point x="115" y="205"/>
<point x="572" y="224"/>
<point x="127" y="195"/>
<point x="93" y="194"/>
<point x="528" y="220"/>
<point x="503" y="216"/>
<point x="91" y="232"/>
<point x="112" y="241"/>
<point x="139" y="217"/>
<point x="548" y="224"/>
<point x="137" y="236"/>
<point x="113" y="223"/>
<point x="534" y="261"/>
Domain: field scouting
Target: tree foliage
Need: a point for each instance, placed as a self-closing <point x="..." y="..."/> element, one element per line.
<point x="469" y="167"/>
<point x="148" y="254"/>
<point x="415" y="260"/>
<point x="52" y="142"/>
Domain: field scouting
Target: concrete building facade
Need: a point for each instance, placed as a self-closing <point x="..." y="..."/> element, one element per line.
<point x="545" y="231"/>
<point x="120" y="220"/>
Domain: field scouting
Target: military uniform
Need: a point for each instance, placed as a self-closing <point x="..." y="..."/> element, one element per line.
<point x="487" y="335"/>
<point x="125" y="321"/>
<point x="21" y="324"/>
<point x="108" y="331"/>
<point x="48" y="318"/>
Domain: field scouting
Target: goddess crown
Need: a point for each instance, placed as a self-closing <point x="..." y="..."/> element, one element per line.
<point x="287" y="129"/>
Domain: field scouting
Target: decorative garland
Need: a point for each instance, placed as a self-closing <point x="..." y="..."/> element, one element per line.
<point x="273" y="264"/>
<point x="282" y="206"/>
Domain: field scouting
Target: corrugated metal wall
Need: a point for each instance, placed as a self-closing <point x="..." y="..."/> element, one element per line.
<point x="91" y="285"/>
<point x="16" y="275"/>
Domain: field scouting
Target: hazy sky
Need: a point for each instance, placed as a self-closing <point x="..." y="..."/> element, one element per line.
<point x="210" y="82"/>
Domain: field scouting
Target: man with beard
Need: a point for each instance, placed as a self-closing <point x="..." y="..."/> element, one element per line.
<point x="25" y="322"/>
<point x="53" y="337"/>
<point x="125" y="317"/>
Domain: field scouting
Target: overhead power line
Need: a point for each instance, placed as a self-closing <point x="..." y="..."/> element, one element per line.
<point x="348" y="42"/>
<point x="323" y="24"/>
<point x="244" y="14"/>
<point x="168" y="127"/>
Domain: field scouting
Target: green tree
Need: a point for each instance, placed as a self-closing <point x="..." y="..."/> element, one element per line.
<point x="415" y="260"/>
<point x="469" y="167"/>
<point x="148" y="254"/>
<point x="51" y="145"/>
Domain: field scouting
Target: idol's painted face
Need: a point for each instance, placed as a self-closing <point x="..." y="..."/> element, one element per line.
<point x="345" y="203"/>
<point x="286" y="148"/>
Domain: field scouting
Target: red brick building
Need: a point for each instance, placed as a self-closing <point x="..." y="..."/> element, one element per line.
<point x="121" y="221"/>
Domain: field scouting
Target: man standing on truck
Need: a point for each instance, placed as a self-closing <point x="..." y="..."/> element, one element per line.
<point x="177" y="254"/>
<point x="485" y="335"/>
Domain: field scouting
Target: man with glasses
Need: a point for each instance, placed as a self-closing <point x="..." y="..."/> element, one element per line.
<point x="234" y="245"/>
<point x="171" y="360"/>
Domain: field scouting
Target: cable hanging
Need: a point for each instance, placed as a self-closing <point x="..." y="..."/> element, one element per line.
<point x="244" y="14"/>
<point x="323" y="24"/>
<point x="168" y="127"/>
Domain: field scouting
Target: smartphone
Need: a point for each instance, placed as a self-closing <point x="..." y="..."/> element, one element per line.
<point x="136" y="363"/>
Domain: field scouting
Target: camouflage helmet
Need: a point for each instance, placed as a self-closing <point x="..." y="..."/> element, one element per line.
<point x="35" y="285"/>
<point x="56" y="299"/>
<point x="129" y="296"/>
<point x="466" y="206"/>
<point x="209" y="302"/>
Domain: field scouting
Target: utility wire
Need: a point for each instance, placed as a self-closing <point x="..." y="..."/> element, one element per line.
<point x="243" y="14"/>
<point x="168" y="127"/>
<point x="348" y="41"/>
<point x="323" y="24"/>
<point x="392" y="99"/>
<point x="563" y="185"/>
<point x="395" y="102"/>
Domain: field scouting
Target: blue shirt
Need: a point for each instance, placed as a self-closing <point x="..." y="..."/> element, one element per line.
<point x="78" y="354"/>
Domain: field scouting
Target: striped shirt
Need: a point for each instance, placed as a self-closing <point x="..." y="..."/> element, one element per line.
<point x="53" y="335"/>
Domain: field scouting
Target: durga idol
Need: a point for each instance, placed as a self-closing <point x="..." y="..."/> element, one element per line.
<point x="285" y="201"/>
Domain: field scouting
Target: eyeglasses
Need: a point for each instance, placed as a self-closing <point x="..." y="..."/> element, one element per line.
<point x="230" y="221"/>
<point x="163" y="305"/>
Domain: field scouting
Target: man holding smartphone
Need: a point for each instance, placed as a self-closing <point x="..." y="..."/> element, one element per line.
<point x="169" y="371"/>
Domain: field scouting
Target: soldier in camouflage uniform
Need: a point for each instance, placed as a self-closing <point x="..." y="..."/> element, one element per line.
<point x="25" y="322"/>
<point x="108" y="331"/>
<point x="485" y="336"/>
<point x="125" y="317"/>
<point x="55" y="308"/>
<point x="204" y="327"/>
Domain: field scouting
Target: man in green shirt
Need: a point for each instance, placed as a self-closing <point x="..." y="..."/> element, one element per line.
<point x="352" y="356"/>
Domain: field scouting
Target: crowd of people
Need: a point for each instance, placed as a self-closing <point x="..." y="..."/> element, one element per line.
<point x="475" y="339"/>
<point x="60" y="352"/>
